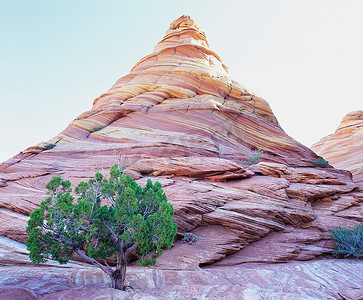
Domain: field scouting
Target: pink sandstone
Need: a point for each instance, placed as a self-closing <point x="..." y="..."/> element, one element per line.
<point x="179" y="118"/>
<point x="344" y="148"/>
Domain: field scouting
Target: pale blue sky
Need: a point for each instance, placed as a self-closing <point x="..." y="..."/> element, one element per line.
<point x="304" y="57"/>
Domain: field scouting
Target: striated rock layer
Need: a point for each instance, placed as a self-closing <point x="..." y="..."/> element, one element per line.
<point x="319" y="279"/>
<point x="330" y="279"/>
<point x="344" y="148"/>
<point x="235" y="178"/>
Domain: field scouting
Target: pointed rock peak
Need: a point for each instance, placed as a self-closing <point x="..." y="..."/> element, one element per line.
<point x="184" y="22"/>
<point x="185" y="25"/>
<point x="183" y="52"/>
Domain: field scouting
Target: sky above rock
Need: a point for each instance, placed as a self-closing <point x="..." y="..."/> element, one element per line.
<point x="303" y="57"/>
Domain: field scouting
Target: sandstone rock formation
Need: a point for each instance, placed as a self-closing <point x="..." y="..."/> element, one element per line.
<point x="179" y="118"/>
<point x="344" y="148"/>
<point x="328" y="279"/>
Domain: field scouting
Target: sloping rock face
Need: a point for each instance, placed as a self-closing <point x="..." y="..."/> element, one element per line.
<point x="344" y="148"/>
<point x="234" y="177"/>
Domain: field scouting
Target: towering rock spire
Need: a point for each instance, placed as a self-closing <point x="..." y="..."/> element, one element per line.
<point x="180" y="99"/>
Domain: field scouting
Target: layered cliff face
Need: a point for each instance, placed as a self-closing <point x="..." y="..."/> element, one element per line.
<point x="344" y="148"/>
<point x="233" y="175"/>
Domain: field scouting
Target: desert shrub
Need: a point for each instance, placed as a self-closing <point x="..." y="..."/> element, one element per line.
<point x="150" y="261"/>
<point x="254" y="157"/>
<point x="349" y="242"/>
<point x="321" y="162"/>
<point x="98" y="128"/>
<point x="189" y="238"/>
<point x="49" y="146"/>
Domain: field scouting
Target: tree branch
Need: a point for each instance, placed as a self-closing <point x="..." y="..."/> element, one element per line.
<point x="130" y="249"/>
<point x="113" y="234"/>
<point x="94" y="262"/>
<point x="108" y="266"/>
<point x="111" y="199"/>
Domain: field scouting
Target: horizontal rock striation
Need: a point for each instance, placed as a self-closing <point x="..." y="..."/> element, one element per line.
<point x="330" y="279"/>
<point x="249" y="191"/>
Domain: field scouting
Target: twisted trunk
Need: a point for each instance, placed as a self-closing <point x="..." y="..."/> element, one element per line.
<point x="118" y="276"/>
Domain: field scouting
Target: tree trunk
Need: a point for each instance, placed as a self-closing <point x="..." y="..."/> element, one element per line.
<point x="118" y="278"/>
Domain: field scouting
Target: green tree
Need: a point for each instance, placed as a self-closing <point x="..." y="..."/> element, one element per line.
<point x="110" y="218"/>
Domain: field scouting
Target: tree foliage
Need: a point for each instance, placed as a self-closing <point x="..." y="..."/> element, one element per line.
<point x="110" y="218"/>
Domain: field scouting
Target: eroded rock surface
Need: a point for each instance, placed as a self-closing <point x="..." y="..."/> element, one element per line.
<point x="344" y="148"/>
<point x="179" y="118"/>
<point x="328" y="279"/>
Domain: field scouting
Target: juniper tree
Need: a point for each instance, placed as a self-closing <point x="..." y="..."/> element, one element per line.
<point x="110" y="218"/>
